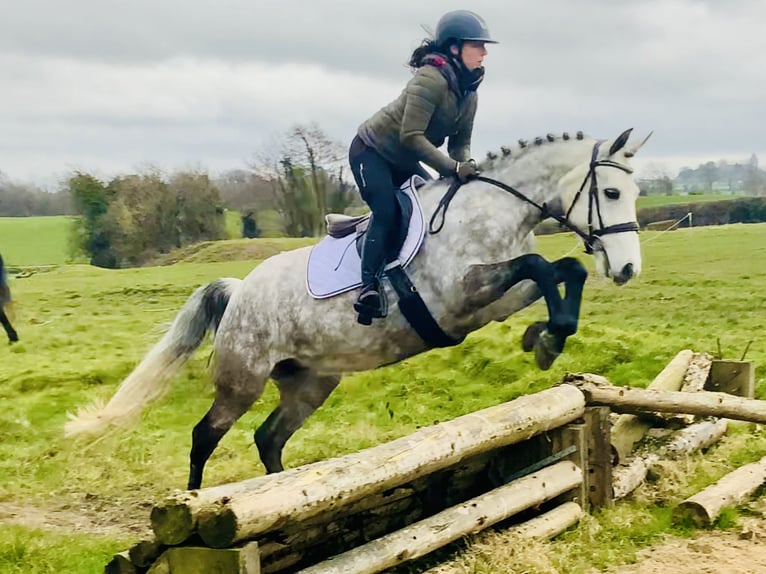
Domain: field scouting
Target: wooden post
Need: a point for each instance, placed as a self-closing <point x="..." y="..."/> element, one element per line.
<point x="733" y="377"/>
<point x="573" y="436"/>
<point x="598" y="468"/>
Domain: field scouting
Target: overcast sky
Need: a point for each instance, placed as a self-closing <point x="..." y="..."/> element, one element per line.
<point x="110" y="86"/>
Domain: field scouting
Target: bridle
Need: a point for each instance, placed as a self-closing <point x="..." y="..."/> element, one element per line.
<point x="594" y="206"/>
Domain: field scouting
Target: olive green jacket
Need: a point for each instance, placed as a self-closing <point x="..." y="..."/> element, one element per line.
<point x="413" y="126"/>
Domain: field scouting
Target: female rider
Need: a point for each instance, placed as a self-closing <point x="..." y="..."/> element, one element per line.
<point x="438" y="103"/>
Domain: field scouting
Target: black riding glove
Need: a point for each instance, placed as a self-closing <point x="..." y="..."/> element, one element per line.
<point x="466" y="170"/>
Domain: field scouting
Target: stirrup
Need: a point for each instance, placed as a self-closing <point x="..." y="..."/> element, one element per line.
<point x="370" y="305"/>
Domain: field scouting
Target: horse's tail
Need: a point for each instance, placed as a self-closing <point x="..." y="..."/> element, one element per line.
<point x="151" y="379"/>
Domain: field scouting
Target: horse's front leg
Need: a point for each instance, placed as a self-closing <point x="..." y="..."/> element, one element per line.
<point x="548" y="339"/>
<point x="573" y="274"/>
<point x="487" y="283"/>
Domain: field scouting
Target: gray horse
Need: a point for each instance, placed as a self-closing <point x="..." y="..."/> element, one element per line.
<point x="5" y="300"/>
<point x="479" y="268"/>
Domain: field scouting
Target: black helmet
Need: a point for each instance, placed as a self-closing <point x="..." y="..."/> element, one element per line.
<point x="462" y="25"/>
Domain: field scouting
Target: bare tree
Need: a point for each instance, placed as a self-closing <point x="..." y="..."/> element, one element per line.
<point x="305" y="170"/>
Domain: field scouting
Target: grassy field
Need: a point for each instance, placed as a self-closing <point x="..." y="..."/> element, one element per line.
<point x="34" y="240"/>
<point x="83" y="329"/>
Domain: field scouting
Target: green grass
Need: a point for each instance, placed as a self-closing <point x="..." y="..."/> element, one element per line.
<point x="36" y="551"/>
<point x="34" y="240"/>
<point x="83" y="329"/>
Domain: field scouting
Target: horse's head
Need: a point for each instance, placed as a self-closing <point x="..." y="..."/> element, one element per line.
<point x="601" y="195"/>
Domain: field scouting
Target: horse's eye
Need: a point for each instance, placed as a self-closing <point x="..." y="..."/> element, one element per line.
<point x="612" y="193"/>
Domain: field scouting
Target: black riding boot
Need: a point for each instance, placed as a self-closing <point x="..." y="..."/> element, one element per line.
<point x="371" y="304"/>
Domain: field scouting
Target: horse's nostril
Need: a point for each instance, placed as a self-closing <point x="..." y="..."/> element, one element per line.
<point x="627" y="272"/>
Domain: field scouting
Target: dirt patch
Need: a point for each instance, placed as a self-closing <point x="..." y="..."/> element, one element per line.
<point x="741" y="552"/>
<point x="89" y="518"/>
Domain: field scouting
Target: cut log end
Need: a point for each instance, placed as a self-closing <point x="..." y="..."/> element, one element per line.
<point x="172" y="522"/>
<point x="218" y="528"/>
<point x="696" y="513"/>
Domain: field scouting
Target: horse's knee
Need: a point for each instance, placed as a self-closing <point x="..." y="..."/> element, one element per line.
<point x="572" y="269"/>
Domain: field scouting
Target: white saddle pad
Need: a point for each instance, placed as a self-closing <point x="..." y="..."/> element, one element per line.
<point x="335" y="267"/>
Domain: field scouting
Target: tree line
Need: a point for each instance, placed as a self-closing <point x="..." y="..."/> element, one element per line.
<point x="708" y="177"/>
<point x="300" y="176"/>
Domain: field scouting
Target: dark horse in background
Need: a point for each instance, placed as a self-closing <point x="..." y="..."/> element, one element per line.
<point x="5" y="299"/>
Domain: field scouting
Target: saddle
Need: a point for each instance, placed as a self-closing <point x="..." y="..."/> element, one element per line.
<point x="334" y="265"/>
<point x="340" y="226"/>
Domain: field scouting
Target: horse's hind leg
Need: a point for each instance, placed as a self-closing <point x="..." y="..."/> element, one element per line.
<point x="9" y="330"/>
<point x="235" y="394"/>
<point x="301" y="391"/>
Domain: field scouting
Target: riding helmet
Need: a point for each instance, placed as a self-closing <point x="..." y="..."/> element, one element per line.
<point x="462" y="25"/>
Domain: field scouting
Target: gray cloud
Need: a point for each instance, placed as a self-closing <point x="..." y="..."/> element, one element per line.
<point x="108" y="85"/>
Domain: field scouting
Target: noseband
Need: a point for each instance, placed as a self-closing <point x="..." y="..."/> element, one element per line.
<point x="590" y="238"/>
<point x="593" y="202"/>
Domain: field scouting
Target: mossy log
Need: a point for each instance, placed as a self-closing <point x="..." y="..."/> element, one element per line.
<point x="143" y="553"/>
<point x="705" y="506"/>
<point x="470" y="517"/>
<point x="326" y="486"/>
<point x="174" y="519"/>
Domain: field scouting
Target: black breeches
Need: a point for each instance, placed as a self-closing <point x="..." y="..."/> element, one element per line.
<point x="377" y="179"/>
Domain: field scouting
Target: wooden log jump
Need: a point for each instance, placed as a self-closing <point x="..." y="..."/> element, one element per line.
<point x="398" y="501"/>
<point x="227" y="514"/>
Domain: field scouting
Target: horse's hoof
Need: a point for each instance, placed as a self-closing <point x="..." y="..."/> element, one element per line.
<point x="545" y="351"/>
<point x="364" y="319"/>
<point x="532" y="335"/>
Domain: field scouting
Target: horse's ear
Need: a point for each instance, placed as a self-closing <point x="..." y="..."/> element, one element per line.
<point x="633" y="150"/>
<point x="620" y="142"/>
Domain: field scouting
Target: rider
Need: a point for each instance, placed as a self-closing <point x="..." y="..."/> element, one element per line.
<point x="439" y="102"/>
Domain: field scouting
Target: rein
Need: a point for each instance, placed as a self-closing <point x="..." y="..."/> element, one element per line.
<point x="588" y="238"/>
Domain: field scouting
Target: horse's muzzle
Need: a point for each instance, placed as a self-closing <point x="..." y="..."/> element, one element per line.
<point x="625" y="275"/>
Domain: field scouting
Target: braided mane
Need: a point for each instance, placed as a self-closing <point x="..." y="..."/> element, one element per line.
<point x="522" y="146"/>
